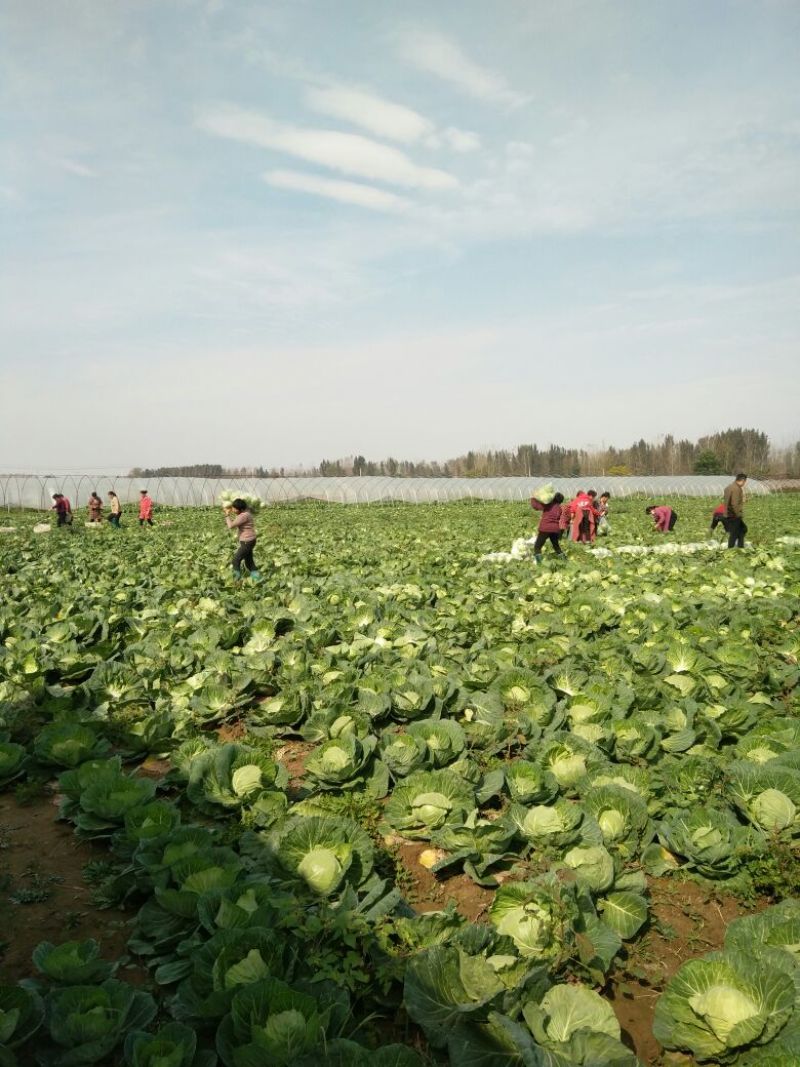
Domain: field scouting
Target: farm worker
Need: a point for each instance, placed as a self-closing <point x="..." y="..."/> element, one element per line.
<point x="582" y="516"/>
<point x="549" y="525"/>
<point x="145" y="508"/>
<point x="62" y="509"/>
<point x="239" y="518"/>
<point x="602" y="513"/>
<point x="718" y="516"/>
<point x="563" y="519"/>
<point x="663" y="516"/>
<point x="95" y="507"/>
<point x="116" y="509"/>
<point x="734" y="511"/>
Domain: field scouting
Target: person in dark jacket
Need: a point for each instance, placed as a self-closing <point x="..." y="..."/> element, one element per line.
<point x="62" y="509"/>
<point x="734" y="511"/>
<point x="549" y="525"/>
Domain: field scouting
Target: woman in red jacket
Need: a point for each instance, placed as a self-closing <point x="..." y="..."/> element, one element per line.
<point x="583" y="516"/>
<point x="549" y="525"/>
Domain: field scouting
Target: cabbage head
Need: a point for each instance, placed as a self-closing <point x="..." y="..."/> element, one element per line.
<point x="229" y="960"/>
<point x="343" y="763"/>
<point x="72" y="962"/>
<point x="12" y="761"/>
<point x="578" y="1026"/>
<point x="174" y="1045"/>
<point x="555" y="825"/>
<point x="21" y="1015"/>
<point x="767" y="795"/>
<point x="443" y="738"/>
<point x="528" y="783"/>
<point x="87" y="1022"/>
<point x="622" y="816"/>
<point x="67" y="744"/>
<point x="231" y="777"/>
<point x="324" y="852"/>
<point x="270" y="1023"/>
<point x="722" y="1004"/>
<point x="402" y="753"/>
<point x="593" y="867"/>
<point x="426" y="800"/>
<point x="538" y="916"/>
<point x="711" y="841"/>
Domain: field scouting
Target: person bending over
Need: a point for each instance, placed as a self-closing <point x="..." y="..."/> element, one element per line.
<point x="663" y="516"/>
<point x="719" y="518"/>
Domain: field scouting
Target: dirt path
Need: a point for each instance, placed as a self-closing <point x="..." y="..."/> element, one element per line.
<point x="43" y="896"/>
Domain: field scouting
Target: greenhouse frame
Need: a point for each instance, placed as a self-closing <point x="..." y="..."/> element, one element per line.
<point x="35" y="491"/>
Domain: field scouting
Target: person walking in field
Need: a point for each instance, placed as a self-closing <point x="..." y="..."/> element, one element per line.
<point x="719" y="518"/>
<point x="238" y="517"/>
<point x="63" y="509"/>
<point x="549" y="525"/>
<point x="734" y="511"/>
<point x="145" y="508"/>
<point x="95" y="508"/>
<point x="115" y="509"/>
<point x="663" y="516"/>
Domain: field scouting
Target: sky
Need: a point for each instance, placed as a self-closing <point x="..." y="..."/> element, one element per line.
<point x="267" y="232"/>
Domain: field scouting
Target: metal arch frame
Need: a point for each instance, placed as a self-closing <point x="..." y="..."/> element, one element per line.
<point x="32" y="490"/>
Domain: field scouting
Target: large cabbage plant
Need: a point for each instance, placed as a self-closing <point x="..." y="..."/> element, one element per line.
<point x="427" y="800"/>
<point x="720" y="1005"/>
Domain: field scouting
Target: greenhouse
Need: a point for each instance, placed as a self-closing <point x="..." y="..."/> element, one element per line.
<point x="36" y="490"/>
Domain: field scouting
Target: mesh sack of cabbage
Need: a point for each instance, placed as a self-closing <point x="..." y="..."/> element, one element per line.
<point x="545" y="493"/>
<point x="522" y="548"/>
<point x="672" y="548"/>
<point x="227" y="497"/>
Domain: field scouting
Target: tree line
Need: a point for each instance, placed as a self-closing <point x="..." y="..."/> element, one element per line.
<point x="719" y="453"/>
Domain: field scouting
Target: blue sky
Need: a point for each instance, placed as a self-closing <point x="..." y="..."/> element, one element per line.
<point x="268" y="232"/>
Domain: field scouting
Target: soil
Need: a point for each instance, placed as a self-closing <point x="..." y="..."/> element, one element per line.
<point x="42" y="893"/>
<point x="293" y="756"/>
<point x="232" y="731"/>
<point x="686" y="920"/>
<point x="43" y="898"/>
<point x="154" y="768"/>
<point x="428" y="892"/>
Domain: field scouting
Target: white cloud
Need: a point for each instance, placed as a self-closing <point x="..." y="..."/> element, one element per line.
<point x="439" y="55"/>
<point x="381" y="117"/>
<point x="461" y="140"/>
<point x="349" y="153"/>
<point x="386" y="119"/>
<point x="345" y="192"/>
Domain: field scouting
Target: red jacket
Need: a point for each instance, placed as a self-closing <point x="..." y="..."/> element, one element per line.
<point x="661" y="515"/>
<point x="720" y="510"/>
<point x="580" y="503"/>
<point x="550" y="521"/>
<point x="145" y="508"/>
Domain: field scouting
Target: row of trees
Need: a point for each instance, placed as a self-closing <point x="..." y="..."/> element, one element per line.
<point x="719" y="453"/>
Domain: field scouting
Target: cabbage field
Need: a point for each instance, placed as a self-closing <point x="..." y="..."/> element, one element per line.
<point x="399" y="804"/>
